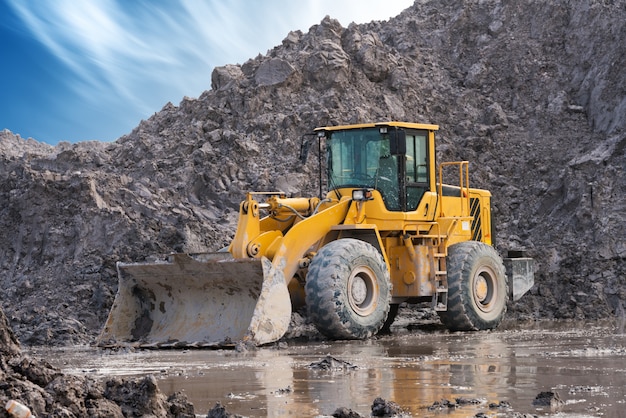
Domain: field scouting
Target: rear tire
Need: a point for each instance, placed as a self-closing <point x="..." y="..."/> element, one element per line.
<point x="477" y="288"/>
<point x="348" y="290"/>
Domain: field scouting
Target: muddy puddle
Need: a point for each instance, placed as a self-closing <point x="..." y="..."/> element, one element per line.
<point x="584" y="363"/>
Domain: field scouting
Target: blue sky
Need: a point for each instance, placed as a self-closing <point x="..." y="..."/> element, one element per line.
<point x="92" y="69"/>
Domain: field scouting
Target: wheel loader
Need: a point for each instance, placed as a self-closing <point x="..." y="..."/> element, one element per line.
<point x="388" y="230"/>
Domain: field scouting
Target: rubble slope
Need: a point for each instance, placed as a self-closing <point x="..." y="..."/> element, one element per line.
<point x="531" y="93"/>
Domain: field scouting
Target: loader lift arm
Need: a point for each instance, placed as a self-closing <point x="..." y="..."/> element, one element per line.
<point x="219" y="299"/>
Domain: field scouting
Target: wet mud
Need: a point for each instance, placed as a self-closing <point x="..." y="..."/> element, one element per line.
<point x="565" y="369"/>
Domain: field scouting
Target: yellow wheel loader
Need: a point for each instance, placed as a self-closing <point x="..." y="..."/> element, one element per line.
<point x="387" y="231"/>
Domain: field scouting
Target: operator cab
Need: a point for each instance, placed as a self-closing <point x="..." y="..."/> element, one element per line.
<point x="394" y="158"/>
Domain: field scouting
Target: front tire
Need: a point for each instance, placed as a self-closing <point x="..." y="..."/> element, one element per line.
<point x="348" y="290"/>
<point x="477" y="288"/>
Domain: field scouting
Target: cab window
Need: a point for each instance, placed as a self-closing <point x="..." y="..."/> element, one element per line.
<point x="416" y="168"/>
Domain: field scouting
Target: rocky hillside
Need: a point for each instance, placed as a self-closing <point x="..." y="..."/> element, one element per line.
<point x="532" y="93"/>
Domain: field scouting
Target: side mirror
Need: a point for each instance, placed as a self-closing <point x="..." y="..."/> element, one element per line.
<point x="397" y="142"/>
<point x="305" y="145"/>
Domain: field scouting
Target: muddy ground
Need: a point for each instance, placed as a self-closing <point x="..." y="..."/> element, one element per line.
<point x="47" y="391"/>
<point x="570" y="369"/>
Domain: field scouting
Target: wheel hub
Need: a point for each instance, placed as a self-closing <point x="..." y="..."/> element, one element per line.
<point x="481" y="289"/>
<point x="362" y="291"/>
<point x="358" y="290"/>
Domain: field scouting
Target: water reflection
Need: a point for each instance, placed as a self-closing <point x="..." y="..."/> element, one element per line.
<point x="412" y="369"/>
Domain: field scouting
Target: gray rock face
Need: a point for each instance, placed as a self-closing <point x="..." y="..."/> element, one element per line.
<point x="9" y="346"/>
<point x="531" y="93"/>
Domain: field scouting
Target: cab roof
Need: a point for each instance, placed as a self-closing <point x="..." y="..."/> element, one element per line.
<point x="407" y="125"/>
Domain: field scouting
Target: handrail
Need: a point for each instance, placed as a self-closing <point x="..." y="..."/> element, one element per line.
<point x="463" y="185"/>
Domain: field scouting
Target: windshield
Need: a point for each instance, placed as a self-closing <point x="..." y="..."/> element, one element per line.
<point x="359" y="158"/>
<point x="354" y="156"/>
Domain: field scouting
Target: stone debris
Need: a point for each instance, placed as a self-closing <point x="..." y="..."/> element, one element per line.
<point x="384" y="408"/>
<point x="283" y="391"/>
<point x="380" y="408"/>
<point x="500" y="405"/>
<point x="331" y="363"/>
<point x="548" y="399"/>
<point x="45" y="391"/>
<point x="219" y="411"/>
<point x="442" y="405"/>
<point x="469" y="401"/>
<point x="458" y="402"/>
<point x="344" y="412"/>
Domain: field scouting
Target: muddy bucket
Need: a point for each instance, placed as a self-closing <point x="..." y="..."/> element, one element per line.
<point x="203" y="300"/>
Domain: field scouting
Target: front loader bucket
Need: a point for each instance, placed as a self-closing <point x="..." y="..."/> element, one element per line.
<point x="204" y="300"/>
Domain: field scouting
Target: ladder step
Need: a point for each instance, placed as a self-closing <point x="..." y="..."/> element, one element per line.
<point x="438" y="265"/>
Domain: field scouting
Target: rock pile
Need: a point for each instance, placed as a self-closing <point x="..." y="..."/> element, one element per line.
<point x="48" y="392"/>
<point x="531" y="93"/>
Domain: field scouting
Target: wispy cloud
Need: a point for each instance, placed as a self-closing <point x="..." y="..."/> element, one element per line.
<point x="105" y="47"/>
<point x="133" y="56"/>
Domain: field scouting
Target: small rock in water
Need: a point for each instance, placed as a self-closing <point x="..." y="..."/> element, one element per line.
<point x="331" y="363"/>
<point x="550" y="399"/>
<point x="344" y="412"/>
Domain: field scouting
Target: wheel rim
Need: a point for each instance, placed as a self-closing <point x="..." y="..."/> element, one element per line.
<point x="362" y="291"/>
<point x="485" y="290"/>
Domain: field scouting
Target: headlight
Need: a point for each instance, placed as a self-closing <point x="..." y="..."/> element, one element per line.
<point x="361" y="195"/>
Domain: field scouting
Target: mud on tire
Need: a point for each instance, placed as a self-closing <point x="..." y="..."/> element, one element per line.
<point x="477" y="288"/>
<point x="348" y="290"/>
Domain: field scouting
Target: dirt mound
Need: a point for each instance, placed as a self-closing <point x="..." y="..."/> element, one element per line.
<point x="531" y="93"/>
<point x="48" y="392"/>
